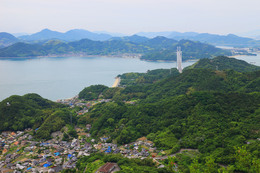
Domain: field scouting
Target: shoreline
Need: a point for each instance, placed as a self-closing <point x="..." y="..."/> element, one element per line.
<point x="94" y="56"/>
<point x="138" y="56"/>
<point x="169" y="61"/>
<point x="234" y="56"/>
<point x="117" y="82"/>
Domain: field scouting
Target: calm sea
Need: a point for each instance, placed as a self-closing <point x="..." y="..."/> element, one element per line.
<point x="59" y="78"/>
<point x="255" y="60"/>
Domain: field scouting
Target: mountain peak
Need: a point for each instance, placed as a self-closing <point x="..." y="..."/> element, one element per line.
<point x="7" y="39"/>
<point x="46" y="30"/>
<point x="232" y="35"/>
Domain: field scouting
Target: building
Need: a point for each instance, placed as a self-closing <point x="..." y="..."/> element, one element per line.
<point x="179" y="59"/>
<point x="108" y="168"/>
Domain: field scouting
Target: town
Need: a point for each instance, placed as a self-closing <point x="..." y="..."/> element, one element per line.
<point x="22" y="153"/>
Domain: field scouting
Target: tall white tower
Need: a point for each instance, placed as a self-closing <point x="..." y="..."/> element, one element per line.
<point x="179" y="59"/>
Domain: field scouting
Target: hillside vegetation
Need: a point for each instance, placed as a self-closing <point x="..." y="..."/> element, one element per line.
<point x="224" y="63"/>
<point x="32" y="111"/>
<point x="212" y="111"/>
<point x="191" y="50"/>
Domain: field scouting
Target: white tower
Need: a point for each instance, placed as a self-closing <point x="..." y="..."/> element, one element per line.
<point x="179" y="59"/>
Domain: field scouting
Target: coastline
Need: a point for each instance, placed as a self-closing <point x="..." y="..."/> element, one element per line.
<point x="169" y="61"/>
<point x="117" y="82"/>
<point x="134" y="56"/>
<point x="77" y="55"/>
<point x="234" y="56"/>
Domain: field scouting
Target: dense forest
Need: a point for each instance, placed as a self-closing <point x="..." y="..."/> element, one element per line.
<point x="149" y="77"/>
<point x="158" y="48"/>
<point x="224" y="63"/>
<point x="33" y="111"/>
<point x="92" y="92"/>
<point x="20" y="112"/>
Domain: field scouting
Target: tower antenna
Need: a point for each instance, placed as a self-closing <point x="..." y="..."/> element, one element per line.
<point x="179" y="59"/>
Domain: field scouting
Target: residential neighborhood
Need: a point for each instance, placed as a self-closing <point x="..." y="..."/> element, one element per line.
<point x="20" y="152"/>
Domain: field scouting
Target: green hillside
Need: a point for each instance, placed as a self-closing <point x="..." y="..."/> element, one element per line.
<point x="149" y="77"/>
<point x="224" y="63"/>
<point x="92" y="92"/>
<point x="212" y="111"/>
<point x="202" y="109"/>
<point x="32" y="111"/>
<point x="190" y="49"/>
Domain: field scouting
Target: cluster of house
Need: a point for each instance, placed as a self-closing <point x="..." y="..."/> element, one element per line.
<point x="142" y="148"/>
<point x="20" y="153"/>
<point x="85" y="105"/>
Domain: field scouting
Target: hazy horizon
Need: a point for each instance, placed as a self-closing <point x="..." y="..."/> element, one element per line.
<point x="130" y="17"/>
<point x="105" y="32"/>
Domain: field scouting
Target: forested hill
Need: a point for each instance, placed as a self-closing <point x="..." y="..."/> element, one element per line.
<point x="159" y="48"/>
<point x="218" y="63"/>
<point x="201" y="108"/>
<point x="212" y="111"/>
<point x="32" y="111"/>
<point x="191" y="80"/>
<point x="224" y="63"/>
<point x="190" y="50"/>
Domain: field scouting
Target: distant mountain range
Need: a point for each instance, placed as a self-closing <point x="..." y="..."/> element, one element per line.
<point x="167" y="34"/>
<point x="133" y="38"/>
<point x="214" y="39"/>
<point x="45" y="35"/>
<point x="71" y="35"/>
<point x="251" y="34"/>
<point x="158" y="48"/>
<point x="7" y="39"/>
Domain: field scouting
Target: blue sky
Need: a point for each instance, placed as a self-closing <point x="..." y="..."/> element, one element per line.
<point x="130" y="16"/>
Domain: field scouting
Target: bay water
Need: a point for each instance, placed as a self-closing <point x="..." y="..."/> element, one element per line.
<point x="64" y="77"/>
